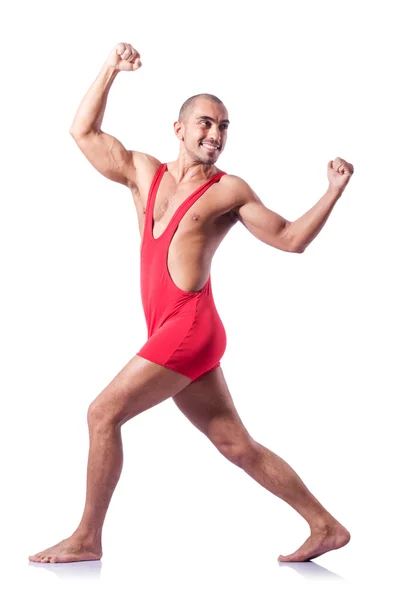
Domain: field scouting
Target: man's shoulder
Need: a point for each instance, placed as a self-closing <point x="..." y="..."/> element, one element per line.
<point x="144" y="167"/>
<point x="234" y="182"/>
<point x="144" y="160"/>
<point x="230" y="179"/>
<point x="237" y="189"/>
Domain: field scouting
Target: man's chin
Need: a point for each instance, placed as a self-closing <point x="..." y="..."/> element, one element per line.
<point x="207" y="160"/>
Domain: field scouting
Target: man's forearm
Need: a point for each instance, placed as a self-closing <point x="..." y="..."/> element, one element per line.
<point x="90" y="113"/>
<point x="308" y="226"/>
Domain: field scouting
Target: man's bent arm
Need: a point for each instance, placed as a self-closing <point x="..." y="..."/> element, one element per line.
<point x="91" y="110"/>
<point x="303" y="230"/>
<point x="104" y="151"/>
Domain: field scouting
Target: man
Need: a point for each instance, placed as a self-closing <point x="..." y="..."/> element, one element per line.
<point x="185" y="208"/>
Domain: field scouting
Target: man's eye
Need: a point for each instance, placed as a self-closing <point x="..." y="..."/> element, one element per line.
<point x="208" y="124"/>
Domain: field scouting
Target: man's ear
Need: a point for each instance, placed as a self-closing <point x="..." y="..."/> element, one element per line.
<point x="179" y="130"/>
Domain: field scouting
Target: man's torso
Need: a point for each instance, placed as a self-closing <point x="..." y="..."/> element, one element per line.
<point x="201" y="229"/>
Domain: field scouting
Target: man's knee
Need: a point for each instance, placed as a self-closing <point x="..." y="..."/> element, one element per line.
<point x="234" y="442"/>
<point x="101" y="414"/>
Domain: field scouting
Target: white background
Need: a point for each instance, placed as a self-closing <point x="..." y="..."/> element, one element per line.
<point x="311" y="337"/>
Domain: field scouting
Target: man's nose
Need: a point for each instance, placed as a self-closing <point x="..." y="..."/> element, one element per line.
<point x="215" y="133"/>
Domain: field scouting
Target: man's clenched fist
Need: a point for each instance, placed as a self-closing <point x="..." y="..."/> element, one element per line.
<point x="339" y="173"/>
<point x="125" y="58"/>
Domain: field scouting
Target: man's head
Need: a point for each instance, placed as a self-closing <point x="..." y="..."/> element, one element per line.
<point x="202" y="127"/>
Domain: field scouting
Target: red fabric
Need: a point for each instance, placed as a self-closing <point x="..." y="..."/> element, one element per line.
<point x="185" y="332"/>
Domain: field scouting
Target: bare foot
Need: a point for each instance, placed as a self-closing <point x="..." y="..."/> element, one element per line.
<point x="331" y="537"/>
<point x="69" y="550"/>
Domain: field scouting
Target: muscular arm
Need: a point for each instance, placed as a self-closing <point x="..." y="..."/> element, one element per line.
<point x="265" y="224"/>
<point x="309" y="225"/>
<point x="105" y="152"/>
<point x="275" y="230"/>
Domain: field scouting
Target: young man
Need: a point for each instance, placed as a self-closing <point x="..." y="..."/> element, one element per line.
<point x="185" y="208"/>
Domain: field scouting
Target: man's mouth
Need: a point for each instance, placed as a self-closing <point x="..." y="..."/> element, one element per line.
<point x="210" y="146"/>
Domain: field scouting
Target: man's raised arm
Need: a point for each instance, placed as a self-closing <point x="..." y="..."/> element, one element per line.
<point x="105" y="152"/>
<point x="292" y="236"/>
<point x="309" y="225"/>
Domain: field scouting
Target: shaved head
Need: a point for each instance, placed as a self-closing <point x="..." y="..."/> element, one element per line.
<point x="188" y="105"/>
<point x="202" y="128"/>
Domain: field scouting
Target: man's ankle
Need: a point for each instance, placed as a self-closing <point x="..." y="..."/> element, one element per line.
<point x="88" y="535"/>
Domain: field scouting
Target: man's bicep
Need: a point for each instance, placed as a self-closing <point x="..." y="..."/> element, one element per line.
<point x="265" y="224"/>
<point x="108" y="156"/>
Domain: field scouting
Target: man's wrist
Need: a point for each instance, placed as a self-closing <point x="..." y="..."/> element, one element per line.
<point x="110" y="70"/>
<point x="334" y="192"/>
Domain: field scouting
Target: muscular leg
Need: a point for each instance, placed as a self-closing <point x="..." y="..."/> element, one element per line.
<point x="207" y="403"/>
<point x="140" y="385"/>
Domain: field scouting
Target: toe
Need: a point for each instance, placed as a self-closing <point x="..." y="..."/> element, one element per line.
<point x="34" y="557"/>
<point x="282" y="557"/>
<point x="288" y="558"/>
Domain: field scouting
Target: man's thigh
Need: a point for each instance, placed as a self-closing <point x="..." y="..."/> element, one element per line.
<point x="139" y="385"/>
<point x="208" y="404"/>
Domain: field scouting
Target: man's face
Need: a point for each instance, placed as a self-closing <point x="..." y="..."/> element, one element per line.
<point x="205" y="131"/>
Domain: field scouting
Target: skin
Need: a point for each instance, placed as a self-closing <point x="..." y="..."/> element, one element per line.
<point x="141" y="384"/>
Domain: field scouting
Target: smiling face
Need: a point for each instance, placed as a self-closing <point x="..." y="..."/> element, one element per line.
<point x="203" y="130"/>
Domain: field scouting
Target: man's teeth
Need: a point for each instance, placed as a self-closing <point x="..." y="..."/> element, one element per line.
<point x="210" y="146"/>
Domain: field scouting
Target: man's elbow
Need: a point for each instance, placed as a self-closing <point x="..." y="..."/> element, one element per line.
<point x="297" y="249"/>
<point x="81" y="133"/>
<point x="74" y="133"/>
<point x="290" y="241"/>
